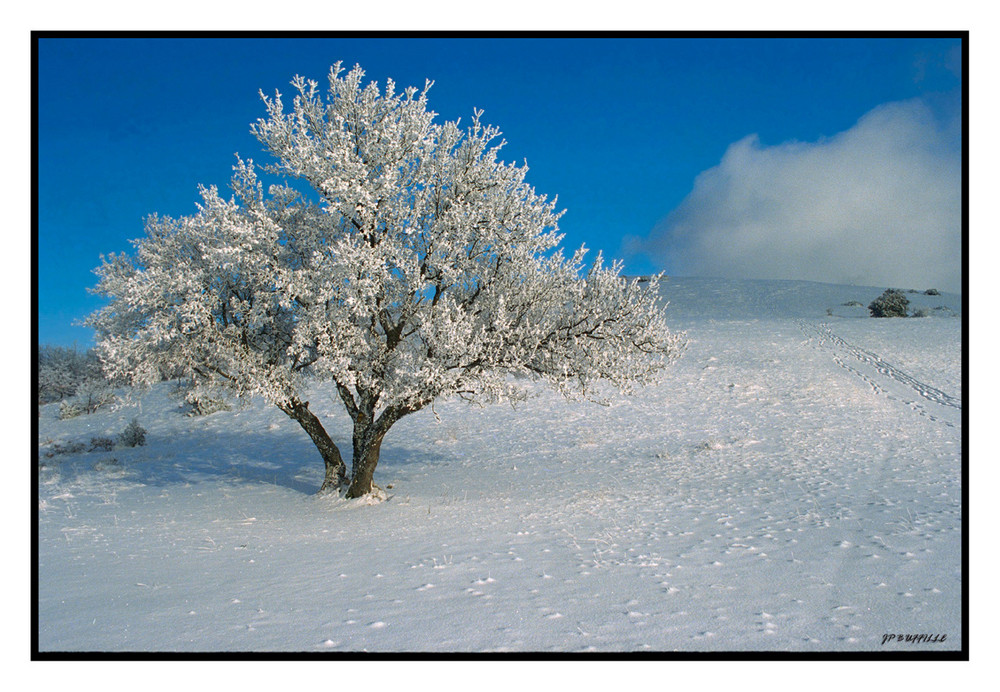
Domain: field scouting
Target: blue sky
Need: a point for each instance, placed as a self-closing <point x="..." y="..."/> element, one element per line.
<point x="752" y="157"/>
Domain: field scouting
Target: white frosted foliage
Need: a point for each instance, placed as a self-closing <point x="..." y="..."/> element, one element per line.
<point x="418" y="266"/>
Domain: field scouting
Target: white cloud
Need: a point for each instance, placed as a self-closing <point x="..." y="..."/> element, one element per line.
<point x="879" y="204"/>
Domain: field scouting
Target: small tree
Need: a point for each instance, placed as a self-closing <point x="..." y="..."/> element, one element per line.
<point x="63" y="372"/>
<point x="892" y="303"/>
<point x="419" y="267"/>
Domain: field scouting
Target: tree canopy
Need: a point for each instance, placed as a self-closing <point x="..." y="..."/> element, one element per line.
<point x="397" y="258"/>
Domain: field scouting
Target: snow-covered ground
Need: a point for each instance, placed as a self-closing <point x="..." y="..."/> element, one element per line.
<point x="794" y="484"/>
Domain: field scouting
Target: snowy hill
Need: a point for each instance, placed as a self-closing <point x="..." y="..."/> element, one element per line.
<point x="794" y="484"/>
<point x="694" y="298"/>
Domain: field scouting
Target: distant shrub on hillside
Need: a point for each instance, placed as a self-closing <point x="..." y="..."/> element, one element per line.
<point x="892" y="303"/>
<point x="932" y="292"/>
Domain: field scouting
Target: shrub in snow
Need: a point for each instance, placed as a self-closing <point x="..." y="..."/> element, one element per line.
<point x="66" y="448"/>
<point x="134" y="435"/>
<point x="90" y="397"/>
<point x="932" y="292"/>
<point x="94" y="394"/>
<point x="892" y="303"/>
<point x="418" y="266"/>
<point x="199" y="399"/>
<point x="203" y="406"/>
<point x="202" y="402"/>
<point x="69" y="409"/>
<point x="101" y="444"/>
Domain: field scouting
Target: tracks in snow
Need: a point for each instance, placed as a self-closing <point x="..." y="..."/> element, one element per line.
<point x="883" y="377"/>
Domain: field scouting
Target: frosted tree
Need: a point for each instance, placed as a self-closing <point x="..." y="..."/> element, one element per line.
<point x="416" y="265"/>
<point x="62" y="372"/>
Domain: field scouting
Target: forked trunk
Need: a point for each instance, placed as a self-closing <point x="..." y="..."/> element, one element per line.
<point x="335" y="475"/>
<point x="369" y="431"/>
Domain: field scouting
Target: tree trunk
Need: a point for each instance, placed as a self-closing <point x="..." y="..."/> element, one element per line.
<point x="366" y="451"/>
<point x="369" y="431"/>
<point x="336" y="472"/>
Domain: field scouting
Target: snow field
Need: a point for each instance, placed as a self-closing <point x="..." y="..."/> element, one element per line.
<point x="794" y="484"/>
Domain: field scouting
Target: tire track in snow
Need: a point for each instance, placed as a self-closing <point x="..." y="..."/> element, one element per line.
<point x="826" y="338"/>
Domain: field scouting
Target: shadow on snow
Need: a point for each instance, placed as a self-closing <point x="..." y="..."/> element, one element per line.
<point x="283" y="457"/>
